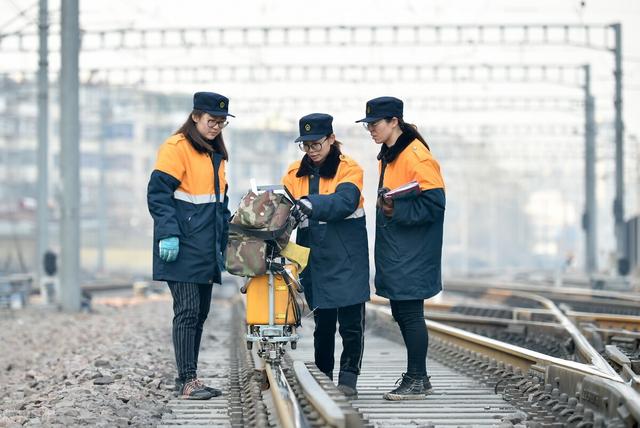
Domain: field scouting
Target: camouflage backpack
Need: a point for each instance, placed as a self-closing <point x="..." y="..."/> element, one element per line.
<point x="259" y="229"/>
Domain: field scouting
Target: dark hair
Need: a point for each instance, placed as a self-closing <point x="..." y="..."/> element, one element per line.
<point x="201" y="144"/>
<point x="410" y="129"/>
<point x="336" y="143"/>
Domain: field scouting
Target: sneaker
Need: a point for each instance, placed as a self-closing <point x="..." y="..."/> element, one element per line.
<point x="348" y="391"/>
<point x="409" y="389"/>
<point x="215" y="392"/>
<point x="194" y="389"/>
<point x="428" y="389"/>
<point x="177" y="389"/>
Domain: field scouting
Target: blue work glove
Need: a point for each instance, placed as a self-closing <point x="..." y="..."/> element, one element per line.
<point x="169" y="248"/>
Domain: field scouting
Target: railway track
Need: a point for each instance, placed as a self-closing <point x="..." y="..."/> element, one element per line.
<point x="547" y="389"/>
<point x="610" y="321"/>
<point x="478" y="380"/>
<point x="285" y="394"/>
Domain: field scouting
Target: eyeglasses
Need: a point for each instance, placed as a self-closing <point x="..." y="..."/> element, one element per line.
<point x="212" y="123"/>
<point x="369" y="126"/>
<point x="313" y="146"/>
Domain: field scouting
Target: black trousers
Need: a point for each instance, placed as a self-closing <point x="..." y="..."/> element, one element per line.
<point x="191" y="303"/>
<point x="351" y="328"/>
<point x="409" y="314"/>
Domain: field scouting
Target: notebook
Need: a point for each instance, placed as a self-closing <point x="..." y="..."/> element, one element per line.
<point x="407" y="190"/>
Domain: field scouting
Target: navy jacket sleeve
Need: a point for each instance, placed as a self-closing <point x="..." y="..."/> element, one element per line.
<point x="336" y="206"/>
<point x="162" y="205"/>
<point x="427" y="207"/>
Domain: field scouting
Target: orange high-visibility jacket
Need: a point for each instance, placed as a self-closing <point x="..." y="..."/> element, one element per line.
<point x="186" y="201"/>
<point x="408" y="248"/>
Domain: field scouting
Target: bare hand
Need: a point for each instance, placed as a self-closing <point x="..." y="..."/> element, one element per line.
<point x="387" y="207"/>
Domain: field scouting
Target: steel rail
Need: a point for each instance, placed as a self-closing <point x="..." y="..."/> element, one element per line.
<point x="610" y="395"/>
<point x="464" y="318"/>
<point x="517" y="356"/>
<point x="586" y="351"/>
<point x="470" y="284"/>
<point x="289" y="411"/>
<point x="584" y="348"/>
<point x="317" y="396"/>
<point x="606" y="320"/>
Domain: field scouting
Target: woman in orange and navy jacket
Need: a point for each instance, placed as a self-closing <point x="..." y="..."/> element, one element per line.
<point x="328" y="186"/>
<point x="408" y="248"/>
<point x="187" y="198"/>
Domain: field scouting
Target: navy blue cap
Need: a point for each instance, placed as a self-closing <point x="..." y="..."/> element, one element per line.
<point x="212" y="103"/>
<point x="381" y="107"/>
<point x="314" y="126"/>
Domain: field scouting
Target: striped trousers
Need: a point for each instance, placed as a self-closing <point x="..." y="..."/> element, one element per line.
<point x="191" y="303"/>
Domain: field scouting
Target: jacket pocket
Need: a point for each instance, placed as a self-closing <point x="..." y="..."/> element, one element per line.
<point x="187" y="221"/>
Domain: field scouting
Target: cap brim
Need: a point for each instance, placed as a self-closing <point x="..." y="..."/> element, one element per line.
<point x="310" y="137"/>
<point x="369" y="119"/>
<point x="218" y="113"/>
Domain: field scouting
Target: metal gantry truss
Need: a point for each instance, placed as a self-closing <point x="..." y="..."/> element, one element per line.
<point x="420" y="103"/>
<point x="600" y="37"/>
<point x="560" y="74"/>
<point x="592" y="36"/>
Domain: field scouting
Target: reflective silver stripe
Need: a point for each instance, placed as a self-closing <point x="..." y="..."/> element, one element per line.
<point x="194" y="199"/>
<point x="356" y="214"/>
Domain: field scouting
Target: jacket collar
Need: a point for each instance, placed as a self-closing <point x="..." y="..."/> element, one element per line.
<point x="328" y="169"/>
<point x="389" y="154"/>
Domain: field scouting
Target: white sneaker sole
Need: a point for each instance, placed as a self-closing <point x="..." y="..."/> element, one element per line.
<point x="398" y="397"/>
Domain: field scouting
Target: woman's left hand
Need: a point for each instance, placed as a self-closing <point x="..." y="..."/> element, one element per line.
<point x="387" y="207"/>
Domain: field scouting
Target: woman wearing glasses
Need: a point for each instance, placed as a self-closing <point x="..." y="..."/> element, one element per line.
<point x="328" y="186"/>
<point x="187" y="198"/>
<point x="409" y="227"/>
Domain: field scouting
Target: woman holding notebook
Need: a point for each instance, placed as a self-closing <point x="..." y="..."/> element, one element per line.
<point x="409" y="226"/>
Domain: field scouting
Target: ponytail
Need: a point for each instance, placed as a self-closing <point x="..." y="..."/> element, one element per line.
<point x="412" y="130"/>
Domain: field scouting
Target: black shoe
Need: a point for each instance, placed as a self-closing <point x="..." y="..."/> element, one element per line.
<point x="194" y="389"/>
<point x="179" y="384"/>
<point x="348" y="391"/>
<point x="410" y="389"/>
<point x="215" y="392"/>
<point x="428" y="389"/>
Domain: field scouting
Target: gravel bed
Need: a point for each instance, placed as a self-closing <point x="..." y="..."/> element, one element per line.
<point x="113" y="367"/>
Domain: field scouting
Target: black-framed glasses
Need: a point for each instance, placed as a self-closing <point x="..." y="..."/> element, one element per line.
<point x="369" y="126"/>
<point x="312" y="146"/>
<point x="212" y="123"/>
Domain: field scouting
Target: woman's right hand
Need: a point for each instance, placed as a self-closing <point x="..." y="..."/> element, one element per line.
<point x="169" y="248"/>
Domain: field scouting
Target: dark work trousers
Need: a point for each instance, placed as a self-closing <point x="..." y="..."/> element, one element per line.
<point x="409" y="314"/>
<point x="191" y="303"/>
<point x="351" y="328"/>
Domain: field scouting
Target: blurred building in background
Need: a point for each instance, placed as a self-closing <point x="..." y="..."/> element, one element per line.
<point x="505" y="118"/>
